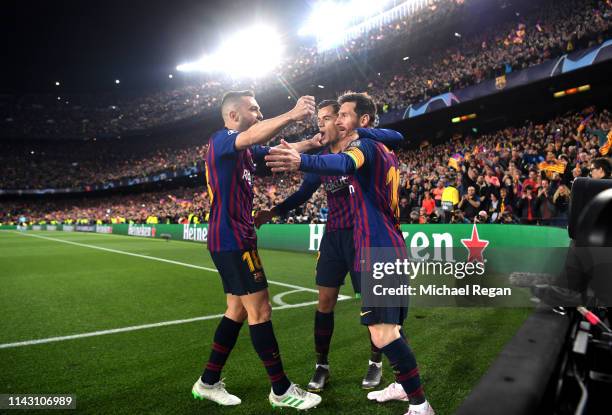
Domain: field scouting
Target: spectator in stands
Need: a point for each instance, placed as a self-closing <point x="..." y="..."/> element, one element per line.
<point x="470" y="203"/>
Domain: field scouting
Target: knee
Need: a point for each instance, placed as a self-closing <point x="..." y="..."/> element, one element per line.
<point x="327" y="303"/>
<point x="236" y="312"/>
<point x="377" y="338"/>
<point x="261" y="313"/>
<point x="383" y="336"/>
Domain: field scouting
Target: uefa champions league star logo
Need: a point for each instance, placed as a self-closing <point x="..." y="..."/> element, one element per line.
<point x="475" y="246"/>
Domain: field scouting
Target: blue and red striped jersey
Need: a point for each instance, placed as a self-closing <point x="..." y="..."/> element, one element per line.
<point x="230" y="188"/>
<point x="336" y="187"/>
<point x="375" y="198"/>
<point x="340" y="214"/>
<point x="374" y="193"/>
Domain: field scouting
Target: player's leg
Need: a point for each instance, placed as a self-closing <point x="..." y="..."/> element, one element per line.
<point x="394" y="391"/>
<point x="240" y="273"/>
<point x="387" y="337"/>
<point x="209" y="385"/>
<point x="283" y="393"/>
<point x="374" y="371"/>
<point x="373" y="374"/>
<point x="331" y="271"/>
<point x="324" y="321"/>
<point x="323" y="331"/>
<point x="224" y="339"/>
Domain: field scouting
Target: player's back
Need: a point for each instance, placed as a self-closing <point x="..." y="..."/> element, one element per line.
<point x="230" y="189"/>
<point x="375" y="196"/>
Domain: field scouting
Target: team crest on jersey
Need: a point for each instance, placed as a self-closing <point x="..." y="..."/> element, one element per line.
<point x="354" y="143"/>
<point x="337" y="184"/>
<point x="258" y="276"/>
<point x="246" y="175"/>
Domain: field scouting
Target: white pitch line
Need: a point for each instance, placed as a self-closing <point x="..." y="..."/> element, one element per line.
<point x="168" y="261"/>
<point x="296" y="288"/>
<point x="134" y="328"/>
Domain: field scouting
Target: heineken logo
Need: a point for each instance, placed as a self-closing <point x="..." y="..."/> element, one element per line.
<point x="436" y="246"/>
<point x="140" y="230"/>
<point x="104" y="229"/>
<point x="475" y="246"/>
<point x="195" y="233"/>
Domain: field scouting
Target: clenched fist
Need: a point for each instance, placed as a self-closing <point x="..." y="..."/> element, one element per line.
<point x="304" y="108"/>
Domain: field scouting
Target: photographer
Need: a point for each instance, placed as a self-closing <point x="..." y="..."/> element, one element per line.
<point x="457" y="217"/>
<point x="507" y="218"/>
<point x="482" y="217"/>
<point x="601" y="168"/>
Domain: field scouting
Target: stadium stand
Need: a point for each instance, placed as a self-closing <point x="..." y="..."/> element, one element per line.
<point x="500" y="166"/>
<point x="519" y="41"/>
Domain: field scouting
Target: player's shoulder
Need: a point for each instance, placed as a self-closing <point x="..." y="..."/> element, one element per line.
<point x="360" y="143"/>
<point x="223" y="133"/>
<point x="363" y="144"/>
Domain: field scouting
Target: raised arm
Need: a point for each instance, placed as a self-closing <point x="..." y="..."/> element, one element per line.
<point x="328" y="164"/>
<point x="263" y="131"/>
<point x="284" y="158"/>
<point x="390" y="138"/>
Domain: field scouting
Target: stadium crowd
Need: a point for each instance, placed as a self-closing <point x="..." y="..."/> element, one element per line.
<point x="557" y="28"/>
<point x="28" y="166"/>
<point x="513" y="175"/>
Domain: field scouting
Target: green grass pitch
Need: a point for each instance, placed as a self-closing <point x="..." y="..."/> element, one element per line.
<point x="50" y="289"/>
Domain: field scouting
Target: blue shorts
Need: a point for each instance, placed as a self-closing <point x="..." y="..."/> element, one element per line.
<point x="387" y="315"/>
<point x="241" y="271"/>
<point x="336" y="258"/>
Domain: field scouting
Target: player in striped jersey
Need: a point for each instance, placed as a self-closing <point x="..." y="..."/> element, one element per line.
<point x="375" y="206"/>
<point x="337" y="249"/>
<point x="233" y="247"/>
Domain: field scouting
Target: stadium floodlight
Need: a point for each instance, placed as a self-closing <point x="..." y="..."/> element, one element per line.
<point x="252" y="52"/>
<point x="170" y="76"/>
<point x="117" y="81"/>
<point x="57" y="83"/>
<point x="336" y="22"/>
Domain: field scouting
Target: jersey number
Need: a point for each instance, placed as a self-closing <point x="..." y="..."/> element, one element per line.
<point x="252" y="260"/>
<point x="393" y="179"/>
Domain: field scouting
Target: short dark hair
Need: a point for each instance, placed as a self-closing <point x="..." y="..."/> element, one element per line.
<point x="232" y="96"/>
<point x="364" y="104"/>
<point x="603" y="163"/>
<point x="329" y="103"/>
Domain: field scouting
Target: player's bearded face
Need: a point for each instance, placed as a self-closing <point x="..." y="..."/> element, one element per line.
<point x="249" y="113"/>
<point x="348" y="120"/>
<point x="326" y="120"/>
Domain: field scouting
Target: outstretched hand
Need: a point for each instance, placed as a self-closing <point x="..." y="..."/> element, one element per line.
<point x="283" y="158"/>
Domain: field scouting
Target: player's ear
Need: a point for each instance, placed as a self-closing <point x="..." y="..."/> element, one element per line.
<point x="364" y="121"/>
<point x="234" y="116"/>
